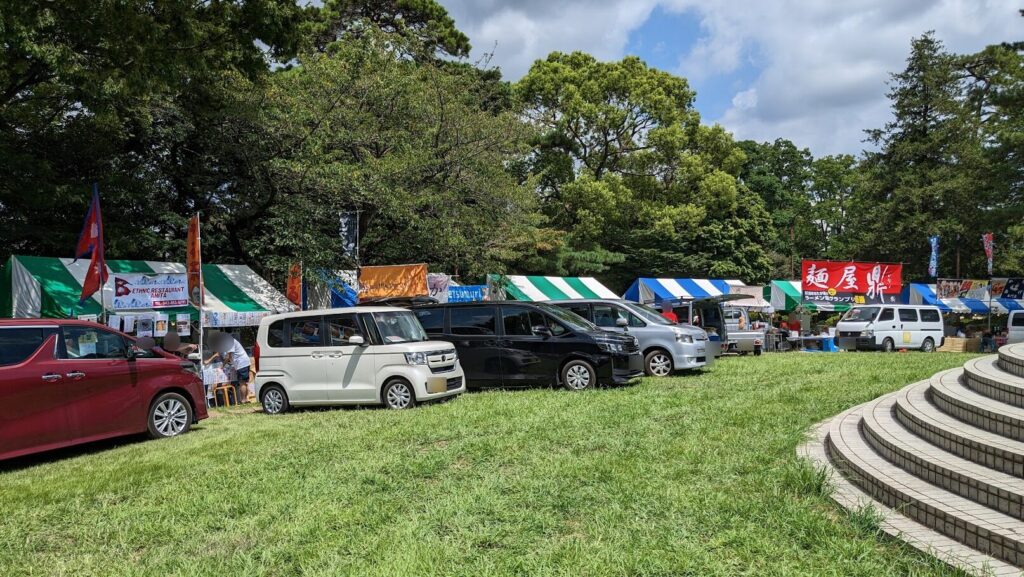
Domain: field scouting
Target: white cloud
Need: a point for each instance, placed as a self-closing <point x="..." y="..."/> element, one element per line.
<point x="823" y="65"/>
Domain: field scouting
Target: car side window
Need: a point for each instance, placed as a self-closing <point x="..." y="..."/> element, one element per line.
<point x="91" y="343"/>
<point x="886" y="315"/>
<point x="275" y="334"/>
<point x="304" y="333"/>
<point x="908" y="315"/>
<point x="18" y="344"/>
<point x="431" y="319"/>
<point x="607" y="315"/>
<point x="473" y="320"/>
<point x="341" y="328"/>
<point x="581" y="309"/>
<point x="930" y="316"/>
<point x="557" y="328"/>
<point x="1018" y="320"/>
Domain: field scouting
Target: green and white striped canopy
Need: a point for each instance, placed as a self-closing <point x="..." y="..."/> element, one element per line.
<point x="788" y="295"/>
<point x="34" y="287"/>
<point x="549" y="288"/>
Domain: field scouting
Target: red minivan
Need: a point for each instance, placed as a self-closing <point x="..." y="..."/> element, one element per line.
<point x="64" y="382"/>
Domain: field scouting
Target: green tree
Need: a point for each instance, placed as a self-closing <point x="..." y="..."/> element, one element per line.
<point x="834" y="181"/>
<point x="423" y="27"/>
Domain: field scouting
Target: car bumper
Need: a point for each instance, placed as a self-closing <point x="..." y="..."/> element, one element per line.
<point x="691" y="356"/>
<point x="435" y="386"/>
<point x="625" y="368"/>
<point x="857" y="343"/>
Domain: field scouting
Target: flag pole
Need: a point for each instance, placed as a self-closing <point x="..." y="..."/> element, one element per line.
<point x="202" y="287"/>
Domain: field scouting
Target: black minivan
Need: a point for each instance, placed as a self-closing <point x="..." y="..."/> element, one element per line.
<point x="515" y="344"/>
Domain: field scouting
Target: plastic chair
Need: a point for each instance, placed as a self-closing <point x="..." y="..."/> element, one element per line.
<point x="226" y="388"/>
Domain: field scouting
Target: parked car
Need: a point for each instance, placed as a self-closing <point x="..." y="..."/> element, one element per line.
<point x="742" y="340"/>
<point x="507" y="343"/>
<point x="666" y="347"/>
<point x="351" y="356"/>
<point x="65" y="382"/>
<point x="889" y="327"/>
<point x="1015" y="327"/>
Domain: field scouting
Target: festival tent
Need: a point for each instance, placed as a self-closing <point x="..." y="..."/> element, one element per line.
<point x="547" y="288"/>
<point x="755" y="296"/>
<point x="918" y="294"/>
<point x="655" y="290"/>
<point x="788" y="295"/>
<point x="34" y="287"/>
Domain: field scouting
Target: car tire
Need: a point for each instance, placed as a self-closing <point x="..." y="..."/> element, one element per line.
<point x="274" y="400"/>
<point x="888" y="345"/>
<point x="398" y="395"/>
<point x="170" y="415"/>
<point x="578" y="375"/>
<point x="928" y="346"/>
<point x="658" y="363"/>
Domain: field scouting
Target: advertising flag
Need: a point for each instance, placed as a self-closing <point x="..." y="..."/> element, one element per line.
<point x="376" y="282"/>
<point x="933" y="262"/>
<point x="90" y="243"/>
<point x="986" y="240"/>
<point x="348" y="229"/>
<point x="194" y="263"/>
<point x="294" y="289"/>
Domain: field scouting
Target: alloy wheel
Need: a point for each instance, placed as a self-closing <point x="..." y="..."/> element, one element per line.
<point x="170" y="417"/>
<point x="661" y="365"/>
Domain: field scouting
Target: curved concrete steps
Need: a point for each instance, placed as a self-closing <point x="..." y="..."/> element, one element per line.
<point x="943" y="459"/>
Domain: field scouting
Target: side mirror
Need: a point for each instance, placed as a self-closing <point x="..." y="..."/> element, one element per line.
<point x="621" y="323"/>
<point x="542" y="331"/>
<point x="357" y="340"/>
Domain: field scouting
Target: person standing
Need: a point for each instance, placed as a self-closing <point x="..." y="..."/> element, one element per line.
<point x="668" y="312"/>
<point x="235" y="356"/>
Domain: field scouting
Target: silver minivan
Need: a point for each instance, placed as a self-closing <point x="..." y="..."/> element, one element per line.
<point x="666" y="347"/>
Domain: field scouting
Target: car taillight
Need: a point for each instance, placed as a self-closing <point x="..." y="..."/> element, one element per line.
<point x="256" y="356"/>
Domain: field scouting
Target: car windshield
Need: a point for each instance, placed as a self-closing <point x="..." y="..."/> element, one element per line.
<point x="399" y="327"/>
<point x="648" y="314"/>
<point x="861" y="314"/>
<point x="570" y="319"/>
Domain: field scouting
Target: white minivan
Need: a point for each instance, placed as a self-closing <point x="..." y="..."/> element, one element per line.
<point x="1015" y="327"/>
<point x="352" y="356"/>
<point x="890" y="327"/>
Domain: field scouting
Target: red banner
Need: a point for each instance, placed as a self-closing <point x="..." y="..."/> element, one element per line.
<point x="851" y="282"/>
<point x="294" y="289"/>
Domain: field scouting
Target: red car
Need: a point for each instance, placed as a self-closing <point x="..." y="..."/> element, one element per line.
<point x="65" y="382"/>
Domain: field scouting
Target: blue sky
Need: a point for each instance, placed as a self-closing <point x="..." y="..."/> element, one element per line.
<point x="813" y="72"/>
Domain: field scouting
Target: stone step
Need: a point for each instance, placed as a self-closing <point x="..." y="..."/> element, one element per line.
<point x="984" y="376"/>
<point x="1011" y="359"/>
<point x="917" y="414"/>
<point x="950" y="395"/>
<point x="890" y="439"/>
<point x="971" y="523"/>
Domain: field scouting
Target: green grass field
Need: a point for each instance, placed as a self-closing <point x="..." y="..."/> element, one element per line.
<point x="693" y="475"/>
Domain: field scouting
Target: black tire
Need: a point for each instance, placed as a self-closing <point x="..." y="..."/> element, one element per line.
<point x="658" y="363"/>
<point x="170" y="415"/>
<point x="578" y="375"/>
<point x="888" y="345"/>
<point x="274" y="400"/>
<point x="928" y="346"/>
<point x="398" y="395"/>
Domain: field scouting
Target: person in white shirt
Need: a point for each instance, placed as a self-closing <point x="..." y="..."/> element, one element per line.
<point x="234" y="356"/>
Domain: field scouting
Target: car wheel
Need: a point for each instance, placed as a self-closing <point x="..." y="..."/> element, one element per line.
<point x="398" y="395"/>
<point x="928" y="345"/>
<point x="170" y="416"/>
<point x="888" y="345"/>
<point x="578" y="376"/>
<point x="658" y="363"/>
<point x="274" y="400"/>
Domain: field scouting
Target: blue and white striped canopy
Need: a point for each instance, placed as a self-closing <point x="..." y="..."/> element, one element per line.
<point x="655" y="290"/>
<point x="924" y="294"/>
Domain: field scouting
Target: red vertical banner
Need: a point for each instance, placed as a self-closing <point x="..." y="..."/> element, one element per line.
<point x="194" y="263"/>
<point x="294" y="289"/>
<point x="90" y="243"/>
<point x="986" y="241"/>
<point x="851" y="282"/>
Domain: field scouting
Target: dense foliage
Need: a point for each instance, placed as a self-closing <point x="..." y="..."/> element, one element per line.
<point x="273" y="117"/>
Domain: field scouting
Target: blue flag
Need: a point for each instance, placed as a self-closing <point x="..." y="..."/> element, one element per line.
<point x="933" y="262"/>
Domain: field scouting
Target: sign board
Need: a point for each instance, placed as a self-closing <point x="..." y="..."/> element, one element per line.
<point x="439" y="284"/>
<point x="853" y="283"/>
<point x="467" y="293"/>
<point x="954" y="288"/>
<point x="407" y="280"/>
<point x="135" y="291"/>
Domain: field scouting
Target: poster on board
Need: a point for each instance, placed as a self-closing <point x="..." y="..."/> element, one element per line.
<point x="136" y="291"/>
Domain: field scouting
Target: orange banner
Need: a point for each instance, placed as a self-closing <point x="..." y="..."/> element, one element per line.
<point x="404" y="280"/>
<point x="193" y="264"/>
<point x="294" y="289"/>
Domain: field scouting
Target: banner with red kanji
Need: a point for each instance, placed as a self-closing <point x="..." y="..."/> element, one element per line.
<point x="855" y="283"/>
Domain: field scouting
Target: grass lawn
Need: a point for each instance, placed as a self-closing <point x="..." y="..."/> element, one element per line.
<point x="692" y="475"/>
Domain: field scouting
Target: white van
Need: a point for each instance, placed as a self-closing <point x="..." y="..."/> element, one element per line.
<point x="1015" y="327"/>
<point x="890" y="327"/>
<point x="352" y="356"/>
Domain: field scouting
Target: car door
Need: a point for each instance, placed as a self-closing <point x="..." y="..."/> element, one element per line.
<point x="304" y="360"/>
<point x="101" y="385"/>
<point x="887" y="327"/>
<point x="351" y="374"/>
<point x="910" y="330"/>
<point x="33" y="409"/>
<point x="529" y="355"/>
<point x="474" y="333"/>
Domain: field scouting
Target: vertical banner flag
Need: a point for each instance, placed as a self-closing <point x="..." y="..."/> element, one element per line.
<point x="933" y="262"/>
<point x="986" y="240"/>
<point x="90" y="244"/>
<point x="348" y="228"/>
<point x="194" y="263"/>
<point x="294" y="289"/>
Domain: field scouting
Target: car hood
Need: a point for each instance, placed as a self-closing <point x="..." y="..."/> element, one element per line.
<point x="425" y="346"/>
<point x="853" y="326"/>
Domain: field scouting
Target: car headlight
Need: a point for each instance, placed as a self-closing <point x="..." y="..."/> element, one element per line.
<point x="867" y="333"/>
<point x="610" y="347"/>
<point x="416" y="358"/>
<point x="688" y="339"/>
